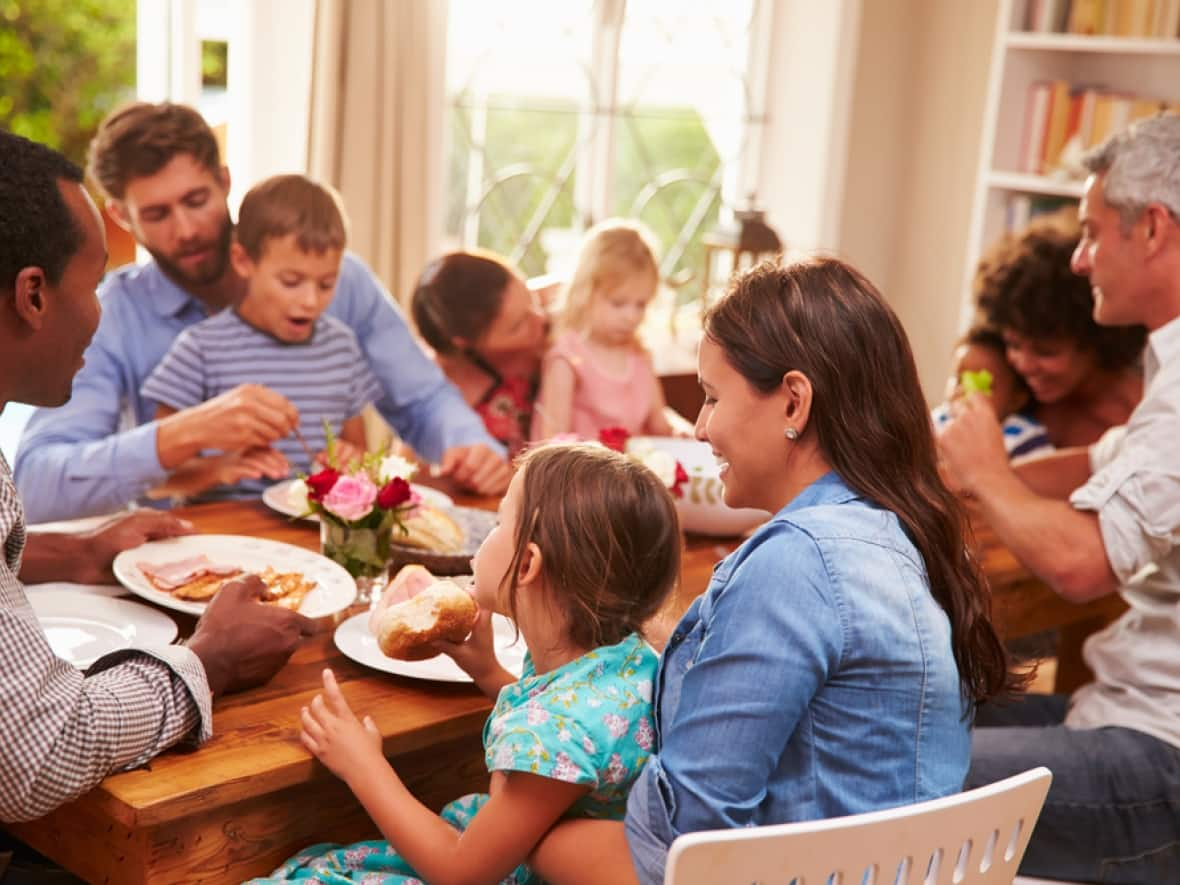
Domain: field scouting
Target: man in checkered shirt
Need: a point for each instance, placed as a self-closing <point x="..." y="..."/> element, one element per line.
<point x="62" y="731"/>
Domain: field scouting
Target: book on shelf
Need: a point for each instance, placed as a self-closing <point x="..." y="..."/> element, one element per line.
<point x="1152" y="19"/>
<point x="1046" y="16"/>
<point x="1036" y="124"/>
<point x="1086" y="17"/>
<point x="1060" y="118"/>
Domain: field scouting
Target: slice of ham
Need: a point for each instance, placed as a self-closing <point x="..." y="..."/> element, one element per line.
<point x="170" y="575"/>
<point x="406" y="584"/>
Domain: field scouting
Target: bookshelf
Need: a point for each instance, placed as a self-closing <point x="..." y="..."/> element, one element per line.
<point x="1139" y="66"/>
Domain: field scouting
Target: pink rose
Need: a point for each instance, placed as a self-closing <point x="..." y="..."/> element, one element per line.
<point x="351" y="498"/>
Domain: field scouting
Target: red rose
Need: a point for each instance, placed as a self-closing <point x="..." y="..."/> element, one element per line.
<point x="393" y="494"/>
<point x="680" y="480"/>
<point x="319" y="484"/>
<point x="614" y="438"/>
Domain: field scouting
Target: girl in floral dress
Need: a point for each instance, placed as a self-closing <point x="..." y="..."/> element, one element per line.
<point x="586" y="549"/>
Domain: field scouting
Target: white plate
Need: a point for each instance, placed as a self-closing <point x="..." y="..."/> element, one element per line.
<point x="82" y="627"/>
<point x="108" y="590"/>
<point x="278" y="497"/>
<point x="335" y="589"/>
<point x="355" y="641"/>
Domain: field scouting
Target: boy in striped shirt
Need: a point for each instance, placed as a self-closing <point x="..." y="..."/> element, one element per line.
<point x="289" y="241"/>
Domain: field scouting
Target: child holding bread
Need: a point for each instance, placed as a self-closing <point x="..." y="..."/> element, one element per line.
<point x="586" y="550"/>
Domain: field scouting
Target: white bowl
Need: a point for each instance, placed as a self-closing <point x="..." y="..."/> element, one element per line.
<point x="702" y="508"/>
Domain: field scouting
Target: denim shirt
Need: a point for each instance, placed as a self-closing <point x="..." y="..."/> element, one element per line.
<point x="97" y="453"/>
<point x="814" y="678"/>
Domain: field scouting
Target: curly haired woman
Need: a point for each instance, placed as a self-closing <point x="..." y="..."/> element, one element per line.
<point x="1084" y="378"/>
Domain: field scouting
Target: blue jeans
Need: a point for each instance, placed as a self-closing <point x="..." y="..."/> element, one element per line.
<point x="1113" y="811"/>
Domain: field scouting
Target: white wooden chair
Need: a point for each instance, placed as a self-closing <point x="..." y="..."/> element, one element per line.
<point x="974" y="837"/>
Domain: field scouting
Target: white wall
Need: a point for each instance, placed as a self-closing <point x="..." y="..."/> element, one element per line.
<point x="875" y="115"/>
<point x="916" y="119"/>
<point x="812" y="66"/>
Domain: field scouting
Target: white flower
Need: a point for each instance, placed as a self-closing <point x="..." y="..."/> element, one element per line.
<point x="297" y="496"/>
<point x="661" y="464"/>
<point x="394" y="467"/>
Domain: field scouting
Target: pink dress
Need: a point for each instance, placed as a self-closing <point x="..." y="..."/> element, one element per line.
<point x="602" y="399"/>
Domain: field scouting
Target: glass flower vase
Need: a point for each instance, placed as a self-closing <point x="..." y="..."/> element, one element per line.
<point x="363" y="550"/>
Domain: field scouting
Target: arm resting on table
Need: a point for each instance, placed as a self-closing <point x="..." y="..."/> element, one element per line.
<point x="62" y="732"/>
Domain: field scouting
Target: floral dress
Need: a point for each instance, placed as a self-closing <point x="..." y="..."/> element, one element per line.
<point x="587" y="722"/>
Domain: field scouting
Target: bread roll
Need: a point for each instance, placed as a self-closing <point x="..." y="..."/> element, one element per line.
<point x="441" y="611"/>
<point x="429" y="528"/>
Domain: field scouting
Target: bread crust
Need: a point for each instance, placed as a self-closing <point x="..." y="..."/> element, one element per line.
<point x="441" y="611"/>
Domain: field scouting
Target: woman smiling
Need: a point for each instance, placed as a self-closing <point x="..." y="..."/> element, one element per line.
<point x="1084" y="378"/>
<point x="833" y="663"/>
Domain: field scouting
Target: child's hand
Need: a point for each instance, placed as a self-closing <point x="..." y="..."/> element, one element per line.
<point x="207" y="471"/>
<point x="332" y="732"/>
<point x="477" y="653"/>
<point x="346" y="453"/>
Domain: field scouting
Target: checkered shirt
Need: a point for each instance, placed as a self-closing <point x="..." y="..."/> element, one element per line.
<point x="62" y="731"/>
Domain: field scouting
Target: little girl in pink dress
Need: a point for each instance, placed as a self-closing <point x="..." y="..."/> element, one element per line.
<point x="597" y="374"/>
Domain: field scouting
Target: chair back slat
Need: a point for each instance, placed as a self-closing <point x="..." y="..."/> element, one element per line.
<point x="972" y="838"/>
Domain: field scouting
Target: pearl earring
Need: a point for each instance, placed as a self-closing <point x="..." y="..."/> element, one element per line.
<point x="791" y="433"/>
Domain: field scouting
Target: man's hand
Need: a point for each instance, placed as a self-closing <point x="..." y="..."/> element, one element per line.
<point x="248" y="417"/>
<point x="207" y="471"/>
<point x="476" y="468"/>
<point x="971" y="445"/>
<point x="242" y="641"/>
<point x="349" y="747"/>
<point x="86" y="557"/>
<point x="124" y="532"/>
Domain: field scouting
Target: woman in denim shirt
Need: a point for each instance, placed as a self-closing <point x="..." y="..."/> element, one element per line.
<point x="833" y="663"/>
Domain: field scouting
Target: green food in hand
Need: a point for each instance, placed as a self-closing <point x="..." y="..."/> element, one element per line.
<point x="976" y="382"/>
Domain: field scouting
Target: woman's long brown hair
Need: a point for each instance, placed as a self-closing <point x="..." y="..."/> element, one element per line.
<point x="824" y="319"/>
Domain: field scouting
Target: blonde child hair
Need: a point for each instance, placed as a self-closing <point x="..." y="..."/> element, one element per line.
<point x="612" y="251"/>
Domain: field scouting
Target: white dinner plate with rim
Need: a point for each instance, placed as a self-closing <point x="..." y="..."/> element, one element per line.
<point x="355" y="641"/>
<point x="82" y="627"/>
<point x="279" y="498"/>
<point x="334" y="591"/>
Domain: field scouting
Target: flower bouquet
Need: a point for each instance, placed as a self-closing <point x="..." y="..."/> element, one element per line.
<point x="670" y="471"/>
<point x="359" y="505"/>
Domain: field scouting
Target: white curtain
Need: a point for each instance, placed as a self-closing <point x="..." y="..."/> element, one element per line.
<point x="376" y="127"/>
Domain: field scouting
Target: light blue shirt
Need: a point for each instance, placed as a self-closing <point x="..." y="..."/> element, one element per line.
<point x="814" y="678"/>
<point x="97" y="453"/>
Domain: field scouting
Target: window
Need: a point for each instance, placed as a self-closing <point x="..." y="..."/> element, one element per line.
<point x="562" y="114"/>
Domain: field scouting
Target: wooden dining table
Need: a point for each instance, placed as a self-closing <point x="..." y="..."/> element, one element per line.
<point x="251" y="796"/>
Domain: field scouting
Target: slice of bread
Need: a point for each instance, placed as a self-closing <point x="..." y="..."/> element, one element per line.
<point x="430" y="529"/>
<point x="441" y="611"/>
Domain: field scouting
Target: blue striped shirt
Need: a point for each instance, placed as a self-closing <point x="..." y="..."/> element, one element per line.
<point x="326" y="378"/>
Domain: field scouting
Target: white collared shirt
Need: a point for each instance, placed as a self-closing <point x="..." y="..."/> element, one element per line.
<point x="1135" y="490"/>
